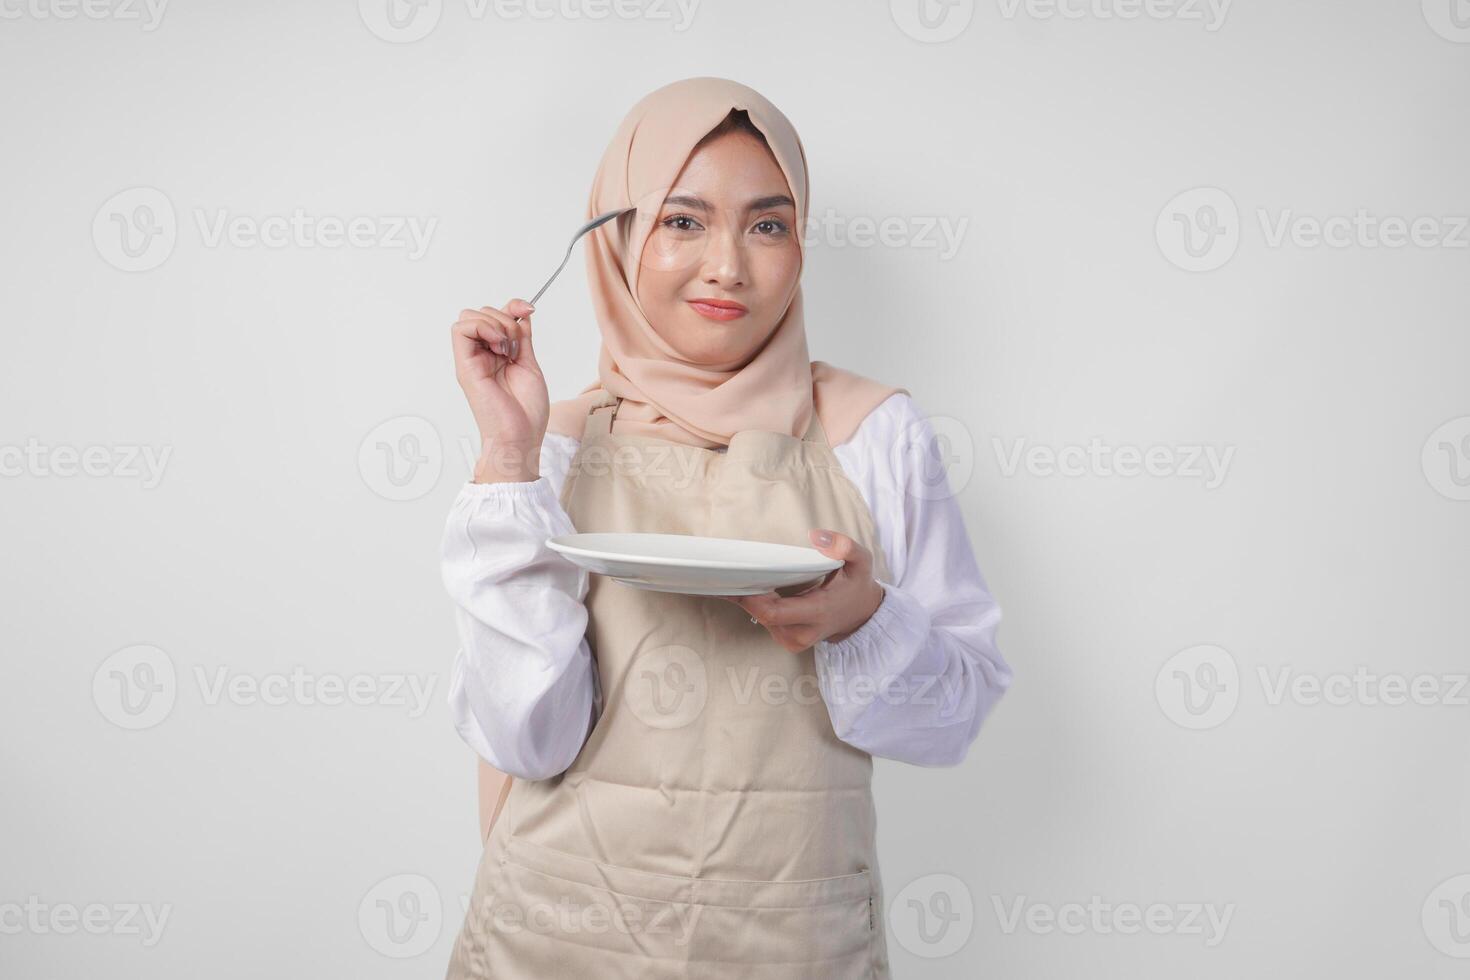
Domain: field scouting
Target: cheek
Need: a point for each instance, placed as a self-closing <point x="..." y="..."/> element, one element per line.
<point x="669" y="254"/>
<point x="777" y="269"/>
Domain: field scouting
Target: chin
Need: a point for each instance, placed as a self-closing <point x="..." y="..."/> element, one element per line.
<point x="705" y="341"/>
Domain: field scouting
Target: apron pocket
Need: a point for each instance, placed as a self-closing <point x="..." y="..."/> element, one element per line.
<point x="665" y="924"/>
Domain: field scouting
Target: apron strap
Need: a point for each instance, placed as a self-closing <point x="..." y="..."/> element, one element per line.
<point x="600" y="416"/>
<point x="814" y="431"/>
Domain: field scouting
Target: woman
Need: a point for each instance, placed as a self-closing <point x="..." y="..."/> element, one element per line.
<point x="692" y="792"/>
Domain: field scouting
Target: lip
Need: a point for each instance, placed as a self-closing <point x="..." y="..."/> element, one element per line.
<point x="718" y="309"/>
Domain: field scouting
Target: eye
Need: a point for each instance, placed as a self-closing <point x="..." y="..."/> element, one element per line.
<point x="680" y="222"/>
<point x="771" y="227"/>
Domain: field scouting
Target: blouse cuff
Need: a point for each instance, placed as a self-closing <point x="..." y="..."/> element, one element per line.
<point x="517" y="490"/>
<point x="535" y="500"/>
<point x="876" y="653"/>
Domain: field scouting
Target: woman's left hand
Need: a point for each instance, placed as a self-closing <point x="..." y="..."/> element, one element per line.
<point x="833" y="610"/>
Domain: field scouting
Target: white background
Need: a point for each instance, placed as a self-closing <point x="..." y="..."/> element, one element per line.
<point x="1060" y="141"/>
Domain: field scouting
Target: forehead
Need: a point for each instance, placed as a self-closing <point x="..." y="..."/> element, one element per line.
<point x="731" y="169"/>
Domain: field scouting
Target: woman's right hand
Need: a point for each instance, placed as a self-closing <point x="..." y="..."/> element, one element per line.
<point x="496" y="366"/>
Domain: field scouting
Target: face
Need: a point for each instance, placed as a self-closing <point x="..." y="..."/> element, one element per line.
<point x="726" y="234"/>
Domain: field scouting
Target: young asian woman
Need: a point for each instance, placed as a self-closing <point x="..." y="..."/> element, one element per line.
<point x="695" y="772"/>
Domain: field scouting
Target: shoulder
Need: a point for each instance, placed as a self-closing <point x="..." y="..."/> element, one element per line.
<point x="845" y="401"/>
<point x="568" y="416"/>
<point x="897" y="446"/>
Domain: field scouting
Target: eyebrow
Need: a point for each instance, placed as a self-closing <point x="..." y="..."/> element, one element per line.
<point x="699" y="204"/>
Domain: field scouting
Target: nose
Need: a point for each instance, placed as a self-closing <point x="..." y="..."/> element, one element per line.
<point x="723" y="262"/>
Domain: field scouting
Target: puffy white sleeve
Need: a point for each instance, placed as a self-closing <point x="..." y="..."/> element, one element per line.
<point x="915" y="682"/>
<point x="523" y="691"/>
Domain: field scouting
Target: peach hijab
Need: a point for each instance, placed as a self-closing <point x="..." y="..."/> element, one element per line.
<point x="776" y="388"/>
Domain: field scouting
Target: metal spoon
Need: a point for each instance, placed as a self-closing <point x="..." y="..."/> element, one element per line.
<point x="598" y="221"/>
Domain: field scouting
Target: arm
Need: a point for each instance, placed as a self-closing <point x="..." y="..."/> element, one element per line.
<point x="522" y="690"/>
<point x="494" y="787"/>
<point x="916" y="681"/>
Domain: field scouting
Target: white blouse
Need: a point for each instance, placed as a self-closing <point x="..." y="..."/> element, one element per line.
<point x="913" y="683"/>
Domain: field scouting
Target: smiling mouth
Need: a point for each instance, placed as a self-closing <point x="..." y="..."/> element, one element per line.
<point x="718" y="309"/>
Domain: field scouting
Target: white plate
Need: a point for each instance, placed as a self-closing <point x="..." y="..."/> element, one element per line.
<point x="693" y="565"/>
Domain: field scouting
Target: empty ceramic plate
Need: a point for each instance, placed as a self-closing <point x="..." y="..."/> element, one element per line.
<point x="694" y="565"/>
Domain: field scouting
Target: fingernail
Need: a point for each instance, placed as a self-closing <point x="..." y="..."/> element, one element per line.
<point x="824" y="538"/>
<point x="515" y="347"/>
<point x="500" y="345"/>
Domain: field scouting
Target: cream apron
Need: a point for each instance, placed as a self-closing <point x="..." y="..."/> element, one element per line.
<point x="713" y="825"/>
